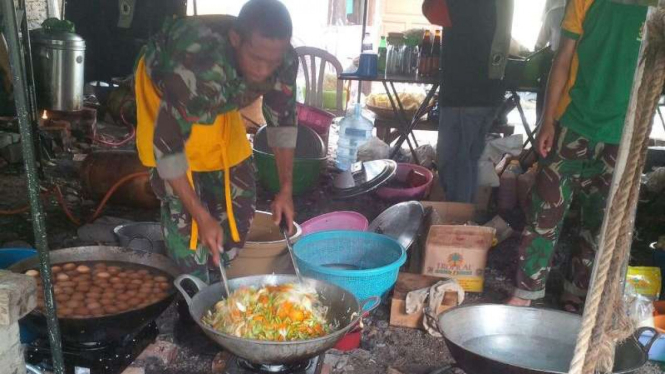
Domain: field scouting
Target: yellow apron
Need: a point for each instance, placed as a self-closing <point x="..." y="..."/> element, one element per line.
<point x="214" y="147"/>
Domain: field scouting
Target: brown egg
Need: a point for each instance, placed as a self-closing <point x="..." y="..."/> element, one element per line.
<point x="68" y="284"/>
<point x="123" y="297"/>
<point x="106" y="302"/>
<point x="156" y="290"/>
<point x="64" y="312"/>
<point x="115" y="280"/>
<point x="113" y="270"/>
<point x="96" y="289"/>
<point x="102" y="285"/>
<point x="57" y="290"/>
<point x="73" y="304"/>
<point x="131" y="293"/>
<point x="82" y="311"/>
<point x="160" y="278"/>
<point x="135" y="276"/>
<point x="133" y="286"/>
<point x="56" y="269"/>
<point x="162" y="295"/>
<point x="78" y="296"/>
<point x="93" y="306"/>
<point x="103" y="275"/>
<point x="68" y="290"/>
<point x="119" y="287"/>
<point x="130" y="271"/>
<point x="143" y="272"/>
<point x="83" y="287"/>
<point x="83" y="269"/>
<point x="123" y="275"/>
<point x="61" y="277"/>
<point x="111" y="309"/>
<point x="165" y="286"/>
<point x="134" y="301"/>
<point x="32" y="273"/>
<point x="72" y="273"/>
<point x="62" y="297"/>
<point x="122" y="306"/>
<point x="136" y="281"/>
<point x="93" y="295"/>
<point x="69" y="266"/>
<point x="109" y="294"/>
<point x="86" y="277"/>
<point x="149" y="284"/>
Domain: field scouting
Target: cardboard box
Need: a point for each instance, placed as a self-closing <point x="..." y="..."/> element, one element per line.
<point x="458" y="252"/>
<point x="437" y="213"/>
<point x="407" y="282"/>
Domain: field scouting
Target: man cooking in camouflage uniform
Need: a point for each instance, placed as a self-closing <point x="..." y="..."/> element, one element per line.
<point x="585" y="108"/>
<point x="190" y="83"/>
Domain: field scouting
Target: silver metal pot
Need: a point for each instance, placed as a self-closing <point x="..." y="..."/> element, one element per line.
<point x="343" y="309"/>
<point x="59" y="59"/>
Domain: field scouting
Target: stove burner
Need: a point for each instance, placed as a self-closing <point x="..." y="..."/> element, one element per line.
<point x="270" y="369"/>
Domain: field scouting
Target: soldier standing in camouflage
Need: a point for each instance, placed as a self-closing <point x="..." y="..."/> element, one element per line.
<point x="585" y="108"/>
<point x="193" y="78"/>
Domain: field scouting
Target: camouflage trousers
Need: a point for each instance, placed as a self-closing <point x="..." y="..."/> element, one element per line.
<point x="209" y="186"/>
<point x="576" y="167"/>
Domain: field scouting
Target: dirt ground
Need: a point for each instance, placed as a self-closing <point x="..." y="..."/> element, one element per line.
<point x="383" y="347"/>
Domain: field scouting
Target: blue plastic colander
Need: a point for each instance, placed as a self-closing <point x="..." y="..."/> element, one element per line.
<point x="364" y="263"/>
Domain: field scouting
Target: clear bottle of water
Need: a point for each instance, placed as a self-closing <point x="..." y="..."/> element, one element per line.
<point x="355" y="130"/>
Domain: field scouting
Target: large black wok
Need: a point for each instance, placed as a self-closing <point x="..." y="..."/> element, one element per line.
<point x="106" y="328"/>
<point x="491" y="339"/>
<point x="343" y="309"/>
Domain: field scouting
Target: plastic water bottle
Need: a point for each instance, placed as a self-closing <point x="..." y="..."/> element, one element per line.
<point x="355" y="130"/>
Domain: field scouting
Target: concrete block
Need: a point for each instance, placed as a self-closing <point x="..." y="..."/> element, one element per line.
<point x="9" y="337"/>
<point x="17" y="296"/>
<point x="12" y="360"/>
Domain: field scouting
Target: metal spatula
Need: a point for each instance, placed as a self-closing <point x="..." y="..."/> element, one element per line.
<point x="223" y="272"/>
<point x="285" y="231"/>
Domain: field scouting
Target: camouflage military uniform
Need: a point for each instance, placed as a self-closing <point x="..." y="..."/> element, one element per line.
<point x="192" y="63"/>
<point x="575" y="166"/>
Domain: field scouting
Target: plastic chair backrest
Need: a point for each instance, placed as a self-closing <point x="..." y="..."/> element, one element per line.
<point x="313" y="62"/>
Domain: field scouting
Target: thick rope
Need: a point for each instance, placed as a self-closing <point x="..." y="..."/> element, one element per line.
<point x="603" y="326"/>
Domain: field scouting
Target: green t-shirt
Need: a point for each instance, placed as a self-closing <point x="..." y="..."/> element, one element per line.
<point x="609" y="34"/>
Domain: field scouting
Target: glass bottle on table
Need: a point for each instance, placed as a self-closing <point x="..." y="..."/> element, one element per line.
<point x="383" y="54"/>
<point x="424" y="67"/>
<point x="436" y="54"/>
<point x="395" y="59"/>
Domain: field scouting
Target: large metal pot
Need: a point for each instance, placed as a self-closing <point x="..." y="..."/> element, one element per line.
<point x="58" y="58"/>
<point x="343" y="308"/>
<point x="490" y="339"/>
<point x="107" y="328"/>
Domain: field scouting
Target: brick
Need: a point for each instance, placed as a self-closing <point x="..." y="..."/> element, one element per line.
<point x="163" y="351"/>
<point x="134" y="370"/>
<point x="17" y="296"/>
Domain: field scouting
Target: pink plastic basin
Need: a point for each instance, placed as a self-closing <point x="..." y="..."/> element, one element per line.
<point x="405" y="194"/>
<point x="316" y="119"/>
<point x="351" y="221"/>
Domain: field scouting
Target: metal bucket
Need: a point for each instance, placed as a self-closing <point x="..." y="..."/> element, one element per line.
<point x="142" y="236"/>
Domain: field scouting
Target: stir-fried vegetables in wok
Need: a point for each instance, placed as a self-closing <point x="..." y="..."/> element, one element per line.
<point x="279" y="313"/>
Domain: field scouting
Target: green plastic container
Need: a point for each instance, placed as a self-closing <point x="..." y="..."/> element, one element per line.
<point x="309" y="161"/>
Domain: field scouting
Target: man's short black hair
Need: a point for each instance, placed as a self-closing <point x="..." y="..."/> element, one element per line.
<point x="269" y="18"/>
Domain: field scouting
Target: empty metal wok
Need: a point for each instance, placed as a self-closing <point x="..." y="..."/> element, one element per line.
<point x="106" y="328"/>
<point x="343" y="309"/>
<point x="490" y="339"/>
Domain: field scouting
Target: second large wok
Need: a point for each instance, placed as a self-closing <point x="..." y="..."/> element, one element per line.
<point x="343" y="309"/>
<point x="491" y="339"/>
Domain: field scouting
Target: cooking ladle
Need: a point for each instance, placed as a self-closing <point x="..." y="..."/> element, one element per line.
<point x="283" y="226"/>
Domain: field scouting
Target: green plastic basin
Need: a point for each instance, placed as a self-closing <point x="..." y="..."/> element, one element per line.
<point x="310" y="159"/>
